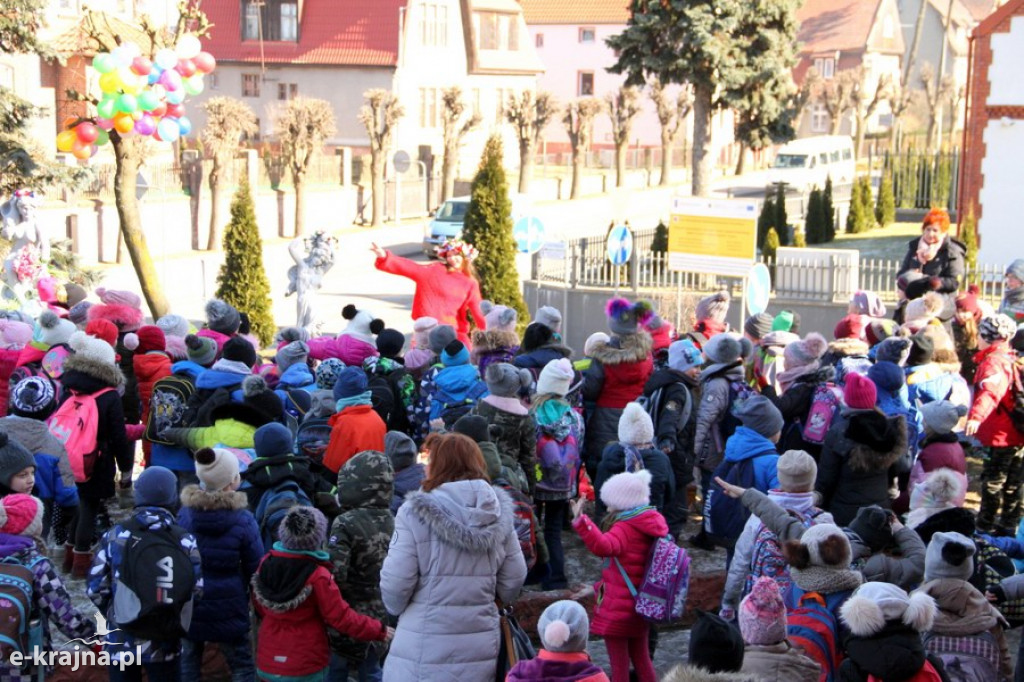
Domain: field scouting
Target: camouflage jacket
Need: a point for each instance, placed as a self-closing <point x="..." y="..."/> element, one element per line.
<point x="359" y="540"/>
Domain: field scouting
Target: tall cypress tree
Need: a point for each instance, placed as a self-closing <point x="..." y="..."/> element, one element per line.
<point x="781" y="219"/>
<point x="885" y="210"/>
<point x="765" y="220"/>
<point x="488" y="227"/>
<point x="242" y="281"/>
<point x="828" y="207"/>
<point x="815" y="229"/>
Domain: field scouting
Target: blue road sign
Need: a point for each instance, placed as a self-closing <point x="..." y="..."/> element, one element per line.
<point x="619" y="246"/>
<point x="529" y="234"/>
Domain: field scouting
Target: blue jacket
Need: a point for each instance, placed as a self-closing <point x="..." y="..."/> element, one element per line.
<point x="218" y="378"/>
<point x="230" y="548"/>
<point x="106" y="573"/>
<point x="928" y="383"/>
<point x="406" y="481"/>
<point x="296" y="376"/>
<point x="459" y="382"/>
<point x="749" y="444"/>
<point x="50" y="485"/>
<point x="895" y="404"/>
<point x="171" y="456"/>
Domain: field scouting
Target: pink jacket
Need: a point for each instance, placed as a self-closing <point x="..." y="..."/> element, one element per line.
<point x="347" y="348"/>
<point x="219" y="338"/>
<point x="630" y="542"/>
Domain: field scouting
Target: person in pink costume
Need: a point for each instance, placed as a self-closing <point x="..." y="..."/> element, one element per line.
<point x="14" y="336"/>
<point x="446" y="291"/>
<point x="355" y="343"/>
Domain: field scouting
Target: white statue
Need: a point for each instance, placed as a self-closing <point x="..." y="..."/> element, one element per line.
<point x="306" y="277"/>
<point x="30" y="251"/>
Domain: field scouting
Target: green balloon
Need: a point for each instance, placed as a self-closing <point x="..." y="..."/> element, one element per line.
<point x="148" y="101"/>
<point x="194" y="85"/>
<point x="103" y="138"/>
<point x="127" y="104"/>
<point x="104" y="62"/>
<point x="107" y="107"/>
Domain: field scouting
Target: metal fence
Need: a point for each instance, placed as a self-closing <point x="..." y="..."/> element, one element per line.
<point x="585" y="264"/>
<point x="924" y="180"/>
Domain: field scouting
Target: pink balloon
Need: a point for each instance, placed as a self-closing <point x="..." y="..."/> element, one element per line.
<point x="145" y="125"/>
<point x="142" y="66"/>
<point x="105" y="123"/>
<point x="170" y="79"/>
<point x="205" y="63"/>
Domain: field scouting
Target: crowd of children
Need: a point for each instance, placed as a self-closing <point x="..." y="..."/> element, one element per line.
<point x="301" y="506"/>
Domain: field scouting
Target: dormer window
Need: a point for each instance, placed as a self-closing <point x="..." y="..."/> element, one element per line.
<point x="272" y="20"/>
<point x="496" y="31"/>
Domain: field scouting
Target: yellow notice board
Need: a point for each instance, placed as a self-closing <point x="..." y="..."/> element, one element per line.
<point x="717" y="236"/>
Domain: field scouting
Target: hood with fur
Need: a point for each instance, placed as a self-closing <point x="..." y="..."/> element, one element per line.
<point x="195" y="497"/>
<point x="490" y="339"/>
<point x="842" y="348"/>
<point x="104" y="372"/>
<point x="469" y="515"/>
<point x="623" y="349"/>
<point x="864" y="456"/>
<point x="690" y="673"/>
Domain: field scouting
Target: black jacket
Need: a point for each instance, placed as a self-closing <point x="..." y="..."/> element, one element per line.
<point x="947" y="269"/>
<point x="894" y="654"/>
<point x="794" y="405"/>
<point x="671" y="436"/>
<point x="663" y="481"/>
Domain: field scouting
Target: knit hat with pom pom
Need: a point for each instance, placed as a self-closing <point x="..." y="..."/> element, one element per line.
<point x="149" y="338"/>
<point x="51" y="330"/>
<point x="874" y="604"/>
<point x="820" y="558"/>
<point x="549" y="317"/>
<point x="362" y="324"/>
<point x="21" y="514"/>
<point x="421" y="327"/>
<point x="499" y="318"/>
<point x="238" y="349"/>
<point x="714" y="307"/>
<point x="93" y="349"/>
<point x="122" y="308"/>
<point x="941" y="416"/>
<point x="564" y="627"/>
<point x="805" y="352"/>
<point x="217" y="468"/>
<point x="941" y="489"/>
<point x="201" y="350"/>
<point x="327" y="373"/>
<point x="725" y="349"/>
<point x="627" y="490"/>
<point x="556" y="378"/>
<point x="949" y="555"/>
<point x="762" y="614"/>
<point x="505" y="380"/>
<point x="895" y="349"/>
<point x="222" y="317"/>
<point x="623" y="316"/>
<point x="303" y="529"/>
<point x="997" y="328"/>
<point x="104" y="330"/>
<point x="919" y="311"/>
<point x="14" y="335"/>
<point x="635" y="425"/>
<point x="174" y="325"/>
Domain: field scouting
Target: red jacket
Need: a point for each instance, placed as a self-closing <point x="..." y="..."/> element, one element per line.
<point x="993" y="397"/>
<point x="624" y="382"/>
<point x="353" y="430"/>
<point x="149" y="369"/>
<point x="629" y="541"/>
<point x="293" y="632"/>
<point x="8" y="361"/>
<point x="440" y="293"/>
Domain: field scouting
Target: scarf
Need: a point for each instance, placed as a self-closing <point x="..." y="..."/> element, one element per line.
<point x="611" y="519"/>
<point x="826" y="580"/>
<point x="926" y="252"/>
<point x="358" y="399"/>
<point x="232" y="367"/>
<point x="798" y="502"/>
<point x="710" y="328"/>
<point x="786" y="377"/>
<point x="633" y="460"/>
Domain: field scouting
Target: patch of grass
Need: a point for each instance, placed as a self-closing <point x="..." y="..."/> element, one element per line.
<point x="887" y="243"/>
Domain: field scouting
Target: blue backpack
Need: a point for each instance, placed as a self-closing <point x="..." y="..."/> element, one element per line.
<point x="725" y="517"/>
<point x="273" y="506"/>
<point x="311" y="440"/>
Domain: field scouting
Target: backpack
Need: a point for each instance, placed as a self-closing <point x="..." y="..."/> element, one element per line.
<point x="381" y="397"/>
<point x="524" y="523"/>
<point x="312" y="438"/>
<point x="725" y="517"/>
<point x="168" y="405"/>
<point x="273" y="506"/>
<point x="21" y="629"/>
<point x="654" y="404"/>
<point x="1017" y="395"/>
<point x="767" y="559"/>
<point x="452" y="408"/>
<point x="739" y="391"/>
<point x="991" y="567"/>
<point x="662" y="594"/>
<point x="825" y="403"/>
<point x="153" y="595"/>
<point x="559" y="463"/>
<point x="967" y="658"/>
<point x="927" y="673"/>
<point x="52" y="363"/>
<point x="75" y="424"/>
<point x="812" y="627"/>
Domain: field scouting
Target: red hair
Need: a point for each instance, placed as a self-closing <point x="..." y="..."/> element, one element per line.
<point x="937" y="216"/>
<point x="454" y="457"/>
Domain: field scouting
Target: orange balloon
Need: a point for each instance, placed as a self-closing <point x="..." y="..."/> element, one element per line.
<point x="83" y="152"/>
<point x="66" y="140"/>
<point x="123" y="123"/>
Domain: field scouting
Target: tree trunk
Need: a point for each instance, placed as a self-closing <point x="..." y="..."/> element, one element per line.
<point x="213" y="243"/>
<point x="741" y="162"/>
<point x="620" y="163"/>
<point x="448" y="173"/>
<point x="701" y="186"/>
<point x="525" y="165"/>
<point x="131" y="227"/>
<point x="666" y="157"/>
<point x="836" y="123"/>
<point x="858" y="140"/>
<point x="934" y="116"/>
<point x="299" y="181"/>
<point x="577" y="171"/>
<point x="377" y="186"/>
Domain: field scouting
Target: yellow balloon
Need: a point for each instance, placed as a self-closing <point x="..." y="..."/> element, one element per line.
<point x="110" y="82"/>
<point x="83" y="153"/>
<point x="66" y="140"/>
<point x="129" y="80"/>
<point x="136" y="115"/>
<point x="123" y="123"/>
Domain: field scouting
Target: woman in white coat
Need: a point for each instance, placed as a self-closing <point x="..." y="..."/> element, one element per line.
<point x="453" y="553"/>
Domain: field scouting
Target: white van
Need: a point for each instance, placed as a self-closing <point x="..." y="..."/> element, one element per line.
<point x="808" y="162"/>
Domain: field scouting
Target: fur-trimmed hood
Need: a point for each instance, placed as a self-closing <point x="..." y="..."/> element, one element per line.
<point x="843" y="348"/>
<point x="863" y="455"/>
<point x="195" y="497"/>
<point x="125" y="317"/>
<point x="108" y="374"/>
<point x="623" y="349"/>
<point x="689" y="673"/>
<point x="469" y="515"/>
<point x="489" y="339"/>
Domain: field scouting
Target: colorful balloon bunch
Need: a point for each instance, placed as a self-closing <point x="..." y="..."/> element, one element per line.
<point x="141" y="96"/>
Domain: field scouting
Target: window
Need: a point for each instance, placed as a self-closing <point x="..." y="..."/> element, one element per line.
<point x="289" y="22"/>
<point x="826" y="67"/>
<point x="513" y="34"/>
<point x="434" y="25"/>
<point x="833" y="156"/>
<point x="251" y="27"/>
<point x="475" y="101"/>
<point x="488" y="30"/>
<point x="429" y="102"/>
<point x="587" y="35"/>
<point x="211" y="81"/>
<point x="819" y="118"/>
<point x="499" y="109"/>
<point x="538" y="40"/>
<point x="250" y="85"/>
<point x="287" y="91"/>
<point x="847" y="155"/>
<point x="585" y="84"/>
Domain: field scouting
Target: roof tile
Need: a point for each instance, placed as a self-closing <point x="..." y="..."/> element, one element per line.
<point x="828" y="25"/>
<point x="541" y="12"/>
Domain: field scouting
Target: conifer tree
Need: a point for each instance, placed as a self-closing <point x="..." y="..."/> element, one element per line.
<point x="242" y="281"/>
<point x="828" y="207"/>
<point x="771" y="244"/>
<point x="815" y="228"/>
<point x="799" y="239"/>
<point x="868" y="209"/>
<point x="660" y="242"/>
<point x="855" y="221"/>
<point x="765" y="220"/>
<point x="781" y="219"/>
<point x="885" y="209"/>
<point x="488" y="227"/>
<point x="969" y="236"/>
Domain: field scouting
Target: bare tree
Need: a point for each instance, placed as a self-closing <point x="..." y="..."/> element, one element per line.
<point x="227" y="120"/>
<point x="379" y="115"/>
<point x="622" y="107"/>
<point x="302" y="127"/>
<point x="530" y="114"/>
<point x="455" y="129"/>
<point x="671" y="114"/>
<point x="865" y="103"/>
<point x="834" y="94"/>
<point x="937" y="91"/>
<point x="579" y="119"/>
<point x="956" y="99"/>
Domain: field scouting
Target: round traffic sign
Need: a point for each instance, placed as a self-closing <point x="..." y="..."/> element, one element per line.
<point x="401" y="161"/>
<point x="759" y="289"/>
<point x="529" y="234"/>
<point x="619" y="245"/>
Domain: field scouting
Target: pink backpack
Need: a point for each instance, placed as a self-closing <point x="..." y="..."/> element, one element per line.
<point x="662" y="595"/>
<point x="825" y="402"/>
<point x="76" y="424"/>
